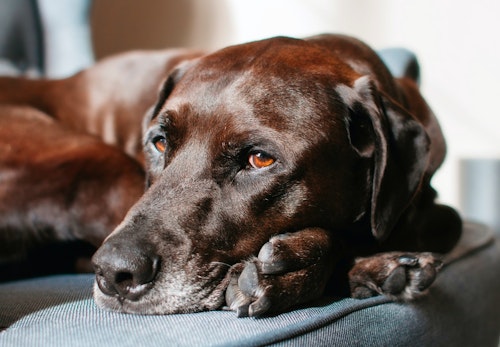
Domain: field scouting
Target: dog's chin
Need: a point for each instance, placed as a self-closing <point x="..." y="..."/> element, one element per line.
<point x="169" y="295"/>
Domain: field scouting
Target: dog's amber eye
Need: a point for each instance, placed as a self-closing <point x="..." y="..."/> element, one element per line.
<point x="260" y="160"/>
<point x="160" y="144"/>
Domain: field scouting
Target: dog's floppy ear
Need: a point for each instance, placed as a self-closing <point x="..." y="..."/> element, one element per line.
<point x="379" y="128"/>
<point x="169" y="83"/>
<point x="165" y="89"/>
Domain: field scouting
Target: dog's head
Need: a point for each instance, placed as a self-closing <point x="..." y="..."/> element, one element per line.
<point x="252" y="141"/>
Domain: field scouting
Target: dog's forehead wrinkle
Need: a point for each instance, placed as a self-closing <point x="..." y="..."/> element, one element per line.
<point x="190" y="161"/>
<point x="209" y="94"/>
<point x="164" y="118"/>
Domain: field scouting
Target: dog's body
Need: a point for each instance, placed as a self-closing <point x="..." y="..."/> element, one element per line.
<point x="272" y="166"/>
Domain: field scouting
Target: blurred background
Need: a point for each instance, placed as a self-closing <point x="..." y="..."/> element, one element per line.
<point x="456" y="42"/>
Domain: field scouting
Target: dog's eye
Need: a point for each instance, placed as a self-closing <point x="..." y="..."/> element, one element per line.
<point x="260" y="160"/>
<point x="160" y="144"/>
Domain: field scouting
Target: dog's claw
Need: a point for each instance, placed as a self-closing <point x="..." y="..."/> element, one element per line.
<point x="242" y="311"/>
<point x="232" y="291"/>
<point x="248" y="285"/>
<point x="245" y="296"/>
<point x="408" y="260"/>
<point x="259" y="307"/>
<point x="236" y="299"/>
<point x="273" y="268"/>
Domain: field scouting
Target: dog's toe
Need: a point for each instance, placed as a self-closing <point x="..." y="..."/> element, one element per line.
<point x="236" y="299"/>
<point x="248" y="281"/>
<point x="250" y="286"/>
<point x="245" y="295"/>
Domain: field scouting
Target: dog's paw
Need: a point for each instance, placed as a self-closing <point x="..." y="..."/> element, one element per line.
<point x="398" y="275"/>
<point x="290" y="269"/>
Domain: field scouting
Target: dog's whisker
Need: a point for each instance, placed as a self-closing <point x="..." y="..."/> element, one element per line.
<point x="220" y="263"/>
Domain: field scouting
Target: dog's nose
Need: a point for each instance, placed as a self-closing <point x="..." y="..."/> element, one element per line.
<point x="123" y="270"/>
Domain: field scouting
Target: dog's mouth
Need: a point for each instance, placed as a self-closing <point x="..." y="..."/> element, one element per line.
<point x="173" y="290"/>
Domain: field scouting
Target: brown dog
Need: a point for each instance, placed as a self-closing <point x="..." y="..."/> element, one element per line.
<point x="60" y="184"/>
<point x="271" y="167"/>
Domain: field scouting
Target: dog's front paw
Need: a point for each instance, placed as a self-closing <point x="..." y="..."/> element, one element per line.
<point x="290" y="269"/>
<point x="398" y="275"/>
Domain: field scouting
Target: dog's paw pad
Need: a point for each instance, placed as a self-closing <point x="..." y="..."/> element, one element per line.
<point x="395" y="282"/>
<point x="270" y="260"/>
<point x="399" y="276"/>
<point x="425" y="276"/>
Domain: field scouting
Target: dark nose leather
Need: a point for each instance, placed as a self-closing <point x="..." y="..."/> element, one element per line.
<point x="125" y="270"/>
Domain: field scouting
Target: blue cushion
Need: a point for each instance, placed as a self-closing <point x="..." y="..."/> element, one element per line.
<point x="462" y="309"/>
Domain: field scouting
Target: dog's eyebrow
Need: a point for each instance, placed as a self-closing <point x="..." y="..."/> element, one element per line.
<point x="251" y="140"/>
<point x="165" y="118"/>
<point x="157" y="113"/>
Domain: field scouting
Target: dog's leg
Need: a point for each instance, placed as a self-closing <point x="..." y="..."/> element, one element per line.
<point x="401" y="276"/>
<point x="290" y="269"/>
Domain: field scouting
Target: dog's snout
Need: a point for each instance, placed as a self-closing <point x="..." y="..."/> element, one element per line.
<point x="125" y="271"/>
